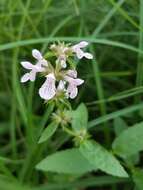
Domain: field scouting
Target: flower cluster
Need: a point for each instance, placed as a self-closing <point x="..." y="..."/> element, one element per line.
<point x="61" y="76"/>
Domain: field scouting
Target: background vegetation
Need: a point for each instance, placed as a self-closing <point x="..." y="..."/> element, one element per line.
<point x="112" y="91"/>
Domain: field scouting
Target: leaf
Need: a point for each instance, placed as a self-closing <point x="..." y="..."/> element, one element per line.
<point x="48" y="132"/>
<point x="119" y="125"/>
<point x="79" y="118"/>
<point x="102" y="159"/>
<point x="137" y="175"/>
<point x="129" y="142"/>
<point x="68" y="161"/>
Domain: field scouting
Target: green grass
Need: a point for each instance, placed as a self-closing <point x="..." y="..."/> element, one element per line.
<point x="113" y="83"/>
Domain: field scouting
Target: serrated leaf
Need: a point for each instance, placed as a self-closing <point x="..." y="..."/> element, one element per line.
<point x="129" y="142"/>
<point x="48" y="132"/>
<point x="119" y="125"/>
<point x="137" y="175"/>
<point x="69" y="161"/>
<point x="102" y="159"/>
<point x="79" y="118"/>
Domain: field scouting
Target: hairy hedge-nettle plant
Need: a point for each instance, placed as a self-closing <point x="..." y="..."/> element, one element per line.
<point x="61" y="84"/>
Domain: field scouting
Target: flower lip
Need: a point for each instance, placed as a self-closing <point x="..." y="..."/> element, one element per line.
<point x="48" y="89"/>
<point x="32" y="74"/>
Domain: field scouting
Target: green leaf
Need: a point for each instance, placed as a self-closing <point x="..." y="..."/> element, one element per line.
<point x="119" y="125"/>
<point x="79" y="118"/>
<point x="129" y="142"/>
<point x="137" y="175"/>
<point x="68" y="161"/>
<point x="48" y="132"/>
<point x="102" y="159"/>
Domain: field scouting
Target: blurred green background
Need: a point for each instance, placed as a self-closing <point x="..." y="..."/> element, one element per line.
<point x="113" y="81"/>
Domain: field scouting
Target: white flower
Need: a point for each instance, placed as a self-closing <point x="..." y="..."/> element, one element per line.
<point x="34" y="68"/>
<point x="48" y="89"/>
<point x="32" y="74"/>
<point x="40" y="60"/>
<point x="73" y="82"/>
<point x="79" y="52"/>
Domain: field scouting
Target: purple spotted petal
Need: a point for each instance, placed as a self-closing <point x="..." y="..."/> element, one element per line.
<point x="72" y="91"/>
<point x="48" y="89"/>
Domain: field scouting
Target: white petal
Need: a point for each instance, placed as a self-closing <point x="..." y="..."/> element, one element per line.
<point x="27" y="65"/>
<point x="88" y="55"/>
<point x="32" y="75"/>
<point x="72" y="73"/>
<point x="37" y="54"/>
<point x="25" y="77"/>
<point x="48" y="89"/>
<point x="82" y="44"/>
<point x="79" y="53"/>
<point x="78" y="82"/>
<point x="73" y="91"/>
<point x="68" y="79"/>
<point x="74" y="82"/>
<point x="38" y="68"/>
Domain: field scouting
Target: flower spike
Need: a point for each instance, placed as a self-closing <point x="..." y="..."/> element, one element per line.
<point x="61" y="77"/>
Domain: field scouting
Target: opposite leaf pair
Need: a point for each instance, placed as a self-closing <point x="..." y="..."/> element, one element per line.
<point x="90" y="156"/>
